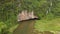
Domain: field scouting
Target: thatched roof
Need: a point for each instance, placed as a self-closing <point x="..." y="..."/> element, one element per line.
<point x="24" y="15"/>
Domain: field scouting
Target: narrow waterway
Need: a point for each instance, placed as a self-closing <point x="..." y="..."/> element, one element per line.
<point x="25" y="27"/>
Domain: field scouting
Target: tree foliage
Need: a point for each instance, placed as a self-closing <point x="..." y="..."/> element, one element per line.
<point x="10" y="8"/>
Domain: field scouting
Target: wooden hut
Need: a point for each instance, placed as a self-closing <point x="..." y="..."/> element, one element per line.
<point x="26" y="22"/>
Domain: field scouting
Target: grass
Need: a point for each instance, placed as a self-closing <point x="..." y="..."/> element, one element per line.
<point x="13" y="28"/>
<point x="48" y="25"/>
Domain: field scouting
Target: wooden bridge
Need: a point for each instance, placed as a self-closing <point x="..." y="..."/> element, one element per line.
<point x="26" y="23"/>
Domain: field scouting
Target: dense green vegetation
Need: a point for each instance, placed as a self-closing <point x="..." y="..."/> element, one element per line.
<point x="47" y="10"/>
<point x="8" y="16"/>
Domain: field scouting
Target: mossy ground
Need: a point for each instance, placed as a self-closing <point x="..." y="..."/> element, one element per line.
<point x="48" y="25"/>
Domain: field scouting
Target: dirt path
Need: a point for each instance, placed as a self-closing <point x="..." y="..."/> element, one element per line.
<point x="25" y="27"/>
